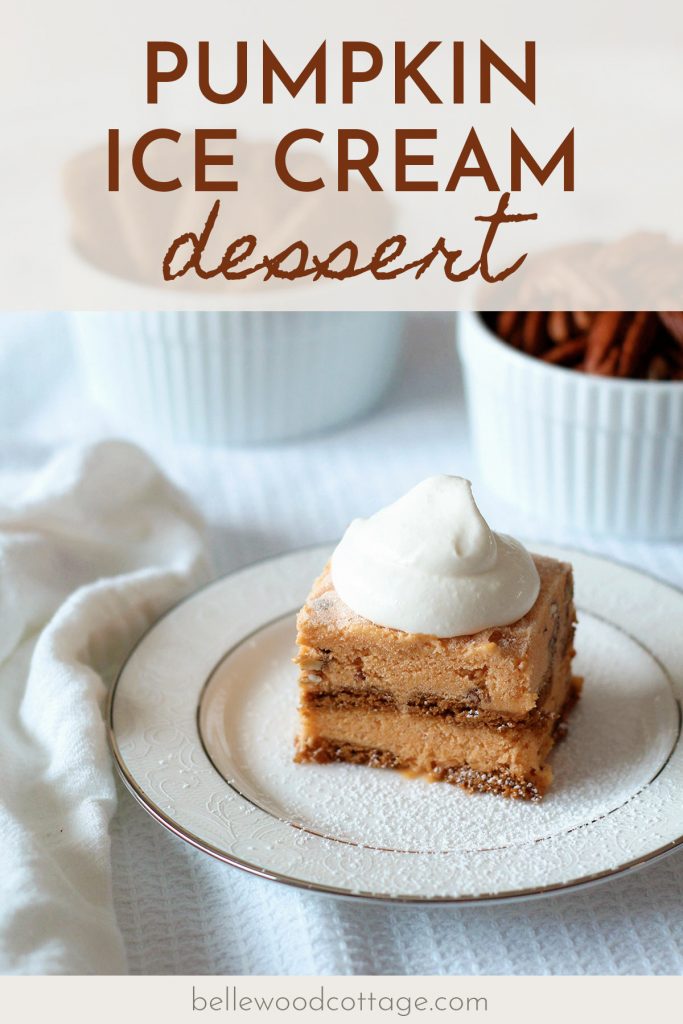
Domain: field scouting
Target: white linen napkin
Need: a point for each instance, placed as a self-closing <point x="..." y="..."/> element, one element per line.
<point x="98" y="547"/>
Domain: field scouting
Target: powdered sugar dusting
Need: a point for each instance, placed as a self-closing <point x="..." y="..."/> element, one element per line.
<point x="620" y="735"/>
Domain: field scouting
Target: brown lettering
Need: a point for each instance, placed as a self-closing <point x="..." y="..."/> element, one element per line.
<point x="154" y="75"/>
<point x="198" y="246"/>
<point x="139" y="150"/>
<point x="273" y="265"/>
<point x="519" y="154"/>
<point x="488" y="59"/>
<point x="386" y="252"/>
<point x="283" y="148"/>
<point x="202" y="160"/>
<point x="349" y="75"/>
<point x="240" y="85"/>
<point x="362" y="164"/>
<point x="272" y="67"/>
<point x="403" y="72"/>
<point x="472" y="147"/>
<point x="458" y="72"/>
<point x="113" y="160"/>
<point x="495" y="220"/>
<point x="324" y="267"/>
<point x="239" y="250"/>
<point x="404" y="160"/>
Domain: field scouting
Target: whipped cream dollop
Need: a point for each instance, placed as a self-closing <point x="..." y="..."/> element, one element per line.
<point x="429" y="563"/>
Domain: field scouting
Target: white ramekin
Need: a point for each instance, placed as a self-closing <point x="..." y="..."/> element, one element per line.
<point x="585" y="453"/>
<point x="235" y="377"/>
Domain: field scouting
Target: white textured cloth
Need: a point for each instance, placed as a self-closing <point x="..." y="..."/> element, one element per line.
<point x="179" y="911"/>
<point x="97" y="547"/>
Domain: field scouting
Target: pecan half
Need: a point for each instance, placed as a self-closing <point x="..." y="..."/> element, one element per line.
<point x="641" y="344"/>
<point x="674" y="325"/>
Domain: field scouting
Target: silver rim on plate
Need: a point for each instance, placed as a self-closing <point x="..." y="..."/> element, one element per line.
<point x="170" y="822"/>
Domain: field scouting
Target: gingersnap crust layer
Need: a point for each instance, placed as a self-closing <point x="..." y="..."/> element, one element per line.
<point x="483" y="764"/>
<point x="327" y="751"/>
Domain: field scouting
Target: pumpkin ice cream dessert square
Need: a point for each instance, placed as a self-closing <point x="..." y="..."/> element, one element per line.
<point x="433" y="645"/>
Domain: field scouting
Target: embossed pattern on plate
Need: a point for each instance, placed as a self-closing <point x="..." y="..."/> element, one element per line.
<point x="357" y="831"/>
<point x="621" y="735"/>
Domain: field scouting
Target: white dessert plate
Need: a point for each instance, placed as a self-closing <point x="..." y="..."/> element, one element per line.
<point x="202" y="721"/>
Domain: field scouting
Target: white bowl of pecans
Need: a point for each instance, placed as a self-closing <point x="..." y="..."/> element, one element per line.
<point x="577" y="417"/>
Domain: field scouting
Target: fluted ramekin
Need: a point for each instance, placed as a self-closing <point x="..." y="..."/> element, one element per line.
<point x="235" y="377"/>
<point x="586" y="453"/>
